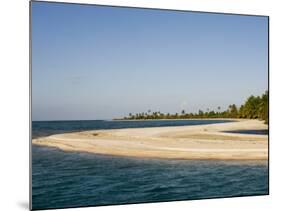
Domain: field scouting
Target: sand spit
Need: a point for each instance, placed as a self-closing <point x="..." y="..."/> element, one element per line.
<point x="177" y="142"/>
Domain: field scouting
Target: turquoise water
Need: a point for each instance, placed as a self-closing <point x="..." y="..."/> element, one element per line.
<point x="70" y="179"/>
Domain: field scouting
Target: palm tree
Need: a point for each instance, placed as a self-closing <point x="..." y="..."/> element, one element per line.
<point x="233" y="111"/>
<point x="218" y="113"/>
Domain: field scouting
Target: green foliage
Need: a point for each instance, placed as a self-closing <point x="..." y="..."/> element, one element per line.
<point x="264" y="110"/>
<point x="233" y="111"/>
<point x="255" y="107"/>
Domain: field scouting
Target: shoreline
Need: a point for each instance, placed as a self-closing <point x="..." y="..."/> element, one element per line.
<point x="193" y="142"/>
<point x="111" y="120"/>
<point x="227" y="119"/>
<point x="73" y="120"/>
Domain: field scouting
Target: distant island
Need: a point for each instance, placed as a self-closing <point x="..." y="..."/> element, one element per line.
<point x="255" y="107"/>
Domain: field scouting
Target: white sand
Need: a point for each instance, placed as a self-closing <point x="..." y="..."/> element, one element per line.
<point x="179" y="142"/>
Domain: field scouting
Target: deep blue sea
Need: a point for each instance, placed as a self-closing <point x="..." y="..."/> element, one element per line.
<point x="71" y="179"/>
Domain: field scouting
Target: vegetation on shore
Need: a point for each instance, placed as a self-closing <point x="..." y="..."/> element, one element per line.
<point x="255" y="107"/>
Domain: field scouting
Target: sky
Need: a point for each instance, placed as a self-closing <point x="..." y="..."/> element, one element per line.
<point x="95" y="62"/>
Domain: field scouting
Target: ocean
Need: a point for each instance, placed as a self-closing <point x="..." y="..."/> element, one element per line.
<point x="73" y="179"/>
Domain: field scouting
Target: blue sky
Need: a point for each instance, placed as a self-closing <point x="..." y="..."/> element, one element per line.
<point x="94" y="62"/>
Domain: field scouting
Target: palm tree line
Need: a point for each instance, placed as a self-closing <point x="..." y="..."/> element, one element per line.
<point x="255" y="107"/>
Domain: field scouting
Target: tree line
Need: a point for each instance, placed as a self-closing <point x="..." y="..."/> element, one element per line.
<point x="255" y="107"/>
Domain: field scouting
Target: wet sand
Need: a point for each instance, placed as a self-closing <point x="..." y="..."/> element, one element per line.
<point x="173" y="142"/>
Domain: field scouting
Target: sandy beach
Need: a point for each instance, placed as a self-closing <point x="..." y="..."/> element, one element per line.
<point x="177" y="142"/>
